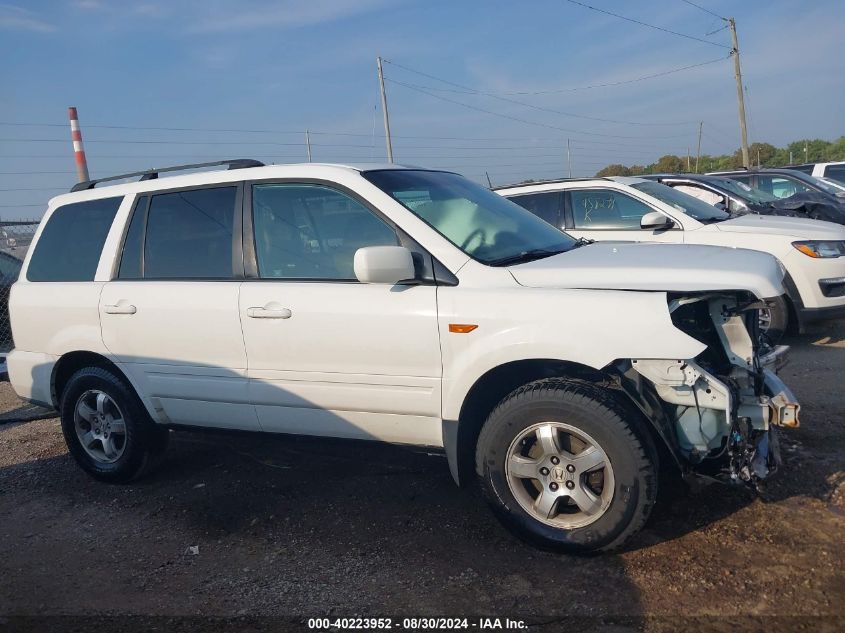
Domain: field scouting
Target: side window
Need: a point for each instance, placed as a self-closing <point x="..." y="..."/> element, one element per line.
<point x="545" y="206"/>
<point x="133" y="245"/>
<point x="71" y="242"/>
<point x="780" y="187"/>
<point x="705" y="195"/>
<point x="836" y="172"/>
<point x="606" y="209"/>
<point x="311" y="231"/>
<point x="189" y="234"/>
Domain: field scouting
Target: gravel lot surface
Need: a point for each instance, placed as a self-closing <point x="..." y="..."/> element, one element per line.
<point x="288" y="527"/>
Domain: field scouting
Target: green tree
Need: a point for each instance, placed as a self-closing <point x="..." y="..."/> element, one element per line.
<point x="758" y="153"/>
<point x="817" y="150"/>
<point x="614" y="170"/>
<point x="669" y="163"/>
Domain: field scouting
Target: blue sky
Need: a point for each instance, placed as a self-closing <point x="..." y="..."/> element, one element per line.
<point x="286" y="66"/>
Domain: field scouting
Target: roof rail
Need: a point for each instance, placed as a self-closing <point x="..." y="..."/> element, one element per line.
<point x="551" y="181"/>
<point x="152" y="174"/>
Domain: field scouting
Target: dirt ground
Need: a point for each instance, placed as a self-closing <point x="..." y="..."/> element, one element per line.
<point x="298" y="528"/>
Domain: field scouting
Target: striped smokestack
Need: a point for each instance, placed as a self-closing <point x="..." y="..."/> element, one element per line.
<point x="78" y="150"/>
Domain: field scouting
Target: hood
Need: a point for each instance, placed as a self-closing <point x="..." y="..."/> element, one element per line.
<point x="799" y="228"/>
<point x="655" y="267"/>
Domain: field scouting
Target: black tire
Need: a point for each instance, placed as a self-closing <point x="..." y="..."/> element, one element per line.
<point x="144" y="443"/>
<point x="778" y="320"/>
<point x="618" y="432"/>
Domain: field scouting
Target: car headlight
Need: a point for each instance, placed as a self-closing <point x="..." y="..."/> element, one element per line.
<point x="813" y="248"/>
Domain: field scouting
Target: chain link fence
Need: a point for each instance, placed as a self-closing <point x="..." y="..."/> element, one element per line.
<point x="15" y="238"/>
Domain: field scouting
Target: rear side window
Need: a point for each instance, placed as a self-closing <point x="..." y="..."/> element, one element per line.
<point x="71" y="242"/>
<point x="544" y="205"/>
<point x="188" y="235"/>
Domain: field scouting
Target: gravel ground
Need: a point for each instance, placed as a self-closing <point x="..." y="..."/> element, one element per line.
<point x="294" y="527"/>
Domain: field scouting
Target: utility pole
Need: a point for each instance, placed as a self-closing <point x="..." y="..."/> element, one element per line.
<point x="569" y="158"/>
<point x="758" y="158"/>
<point x="689" y="167"/>
<point x="790" y="158"/>
<point x="739" y="94"/>
<point x="78" y="149"/>
<point x="308" y="144"/>
<point x="698" y="153"/>
<point x="806" y="149"/>
<point x="387" y="140"/>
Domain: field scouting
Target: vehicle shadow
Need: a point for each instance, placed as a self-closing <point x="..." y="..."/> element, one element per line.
<point x="285" y="526"/>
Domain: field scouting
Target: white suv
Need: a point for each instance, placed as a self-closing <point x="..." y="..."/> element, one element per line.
<point x="622" y="208"/>
<point x="405" y="306"/>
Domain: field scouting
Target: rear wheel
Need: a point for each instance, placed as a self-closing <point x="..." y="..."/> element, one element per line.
<point x="564" y="466"/>
<point x="107" y="429"/>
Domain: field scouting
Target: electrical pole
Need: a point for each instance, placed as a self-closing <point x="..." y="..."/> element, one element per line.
<point x="308" y="144"/>
<point x="698" y="153"/>
<point x="758" y="158"/>
<point x="790" y="158"/>
<point x="569" y="158"/>
<point x="806" y="160"/>
<point x="387" y="140"/>
<point x="689" y="167"/>
<point x="739" y="94"/>
<point x="78" y="149"/>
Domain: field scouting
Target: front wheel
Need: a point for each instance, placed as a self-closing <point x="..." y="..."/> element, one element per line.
<point x="564" y="466"/>
<point x="774" y="319"/>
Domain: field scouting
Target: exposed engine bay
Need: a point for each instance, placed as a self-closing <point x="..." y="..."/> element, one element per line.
<point x="720" y="411"/>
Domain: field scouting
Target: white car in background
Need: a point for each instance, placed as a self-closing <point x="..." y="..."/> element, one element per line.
<point x="634" y="209"/>
<point x="834" y="171"/>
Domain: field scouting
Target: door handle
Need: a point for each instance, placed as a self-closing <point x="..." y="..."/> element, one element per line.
<point x="120" y="308"/>
<point x="268" y="313"/>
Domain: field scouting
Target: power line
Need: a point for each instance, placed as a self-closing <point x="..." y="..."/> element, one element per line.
<point x="698" y="6"/>
<point x="432" y="138"/>
<point x="651" y="26"/>
<point x="492" y="95"/>
<point x="577" y="88"/>
<point x="517" y="119"/>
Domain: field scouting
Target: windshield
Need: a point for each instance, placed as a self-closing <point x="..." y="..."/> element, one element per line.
<point x="483" y="224"/>
<point x="743" y="191"/>
<point x="683" y="202"/>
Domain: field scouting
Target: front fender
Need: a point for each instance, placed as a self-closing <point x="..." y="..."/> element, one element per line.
<point x="589" y="327"/>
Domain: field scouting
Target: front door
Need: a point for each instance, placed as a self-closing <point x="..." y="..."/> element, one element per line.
<point x="329" y="355"/>
<point x="606" y="214"/>
<point x="170" y="318"/>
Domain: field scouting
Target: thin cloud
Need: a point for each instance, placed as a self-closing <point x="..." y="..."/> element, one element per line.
<point x="289" y="14"/>
<point x="14" y="18"/>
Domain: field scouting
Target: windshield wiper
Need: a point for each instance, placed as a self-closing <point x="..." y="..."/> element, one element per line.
<point x="527" y="256"/>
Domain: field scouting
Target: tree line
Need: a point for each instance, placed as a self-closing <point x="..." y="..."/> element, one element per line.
<point x="760" y="154"/>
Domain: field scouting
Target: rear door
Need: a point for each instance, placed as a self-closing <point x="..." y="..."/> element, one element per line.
<point x="607" y="214"/>
<point x="170" y="316"/>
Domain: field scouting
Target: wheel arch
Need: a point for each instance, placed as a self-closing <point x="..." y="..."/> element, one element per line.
<point x="461" y="436"/>
<point x="70" y="362"/>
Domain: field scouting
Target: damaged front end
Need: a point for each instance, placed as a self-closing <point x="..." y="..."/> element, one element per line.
<point x="719" y="411"/>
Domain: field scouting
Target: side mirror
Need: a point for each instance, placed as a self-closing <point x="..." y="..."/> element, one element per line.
<point x="656" y="221"/>
<point x="719" y="205"/>
<point x="383" y="265"/>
